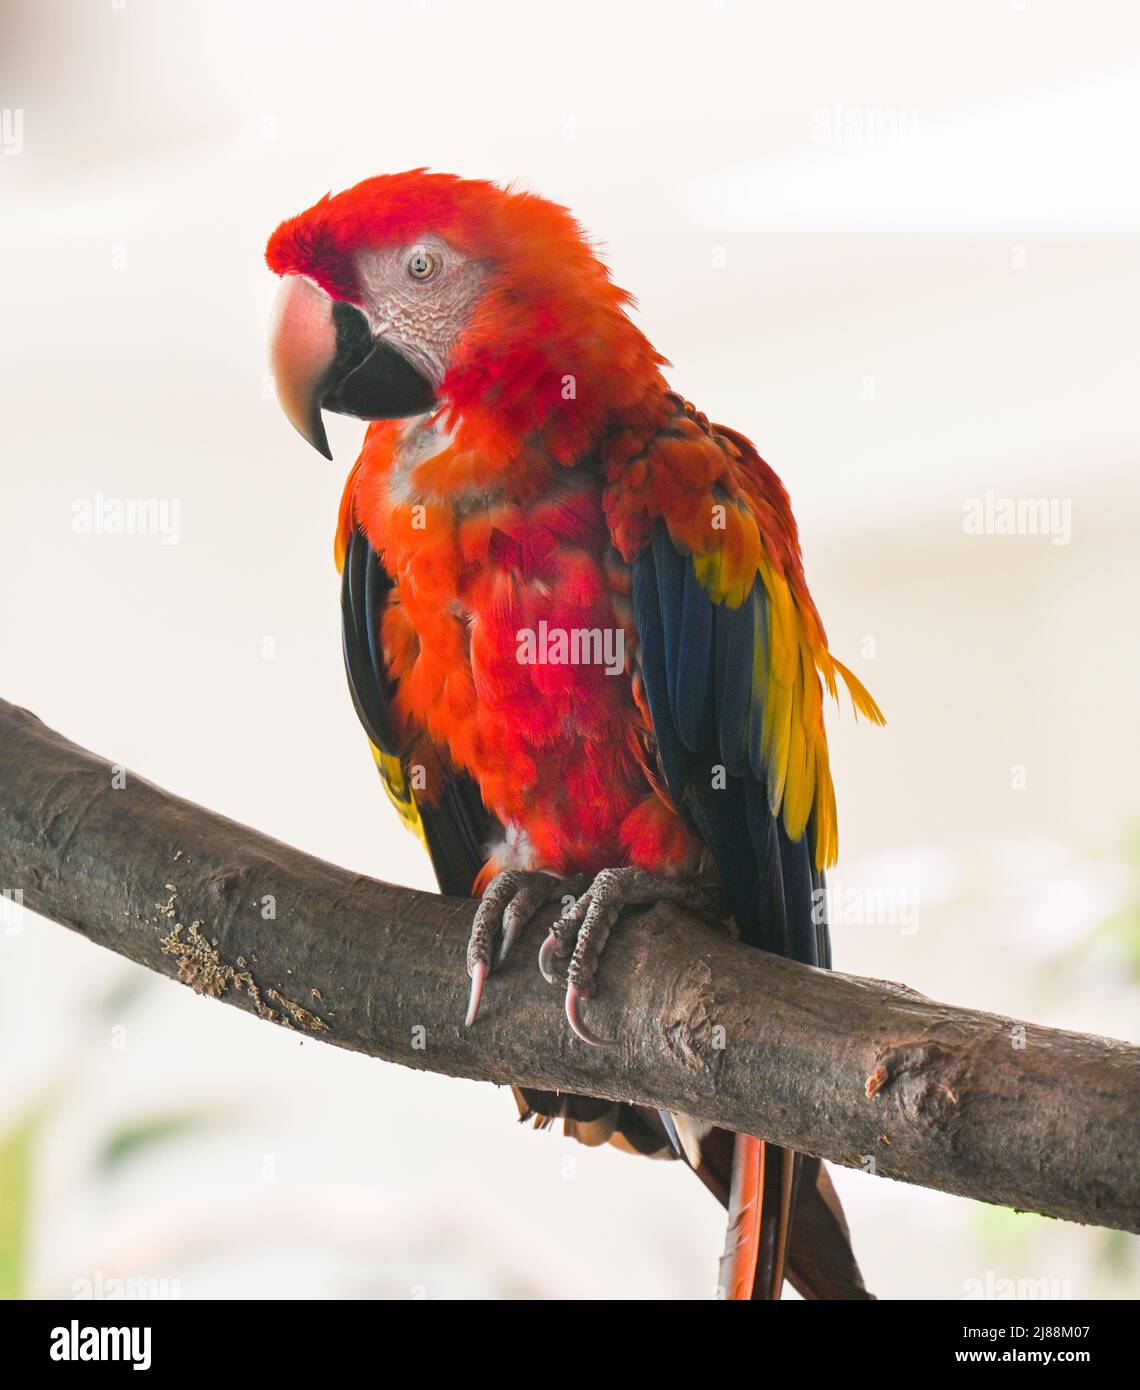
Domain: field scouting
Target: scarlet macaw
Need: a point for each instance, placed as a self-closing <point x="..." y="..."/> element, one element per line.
<point x="576" y="629"/>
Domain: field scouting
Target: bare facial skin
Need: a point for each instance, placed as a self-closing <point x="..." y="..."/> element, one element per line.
<point x="419" y="297"/>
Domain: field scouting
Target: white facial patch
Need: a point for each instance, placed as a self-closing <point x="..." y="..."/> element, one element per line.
<point x="423" y="318"/>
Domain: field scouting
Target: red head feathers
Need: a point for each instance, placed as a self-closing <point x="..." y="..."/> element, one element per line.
<point x="547" y="336"/>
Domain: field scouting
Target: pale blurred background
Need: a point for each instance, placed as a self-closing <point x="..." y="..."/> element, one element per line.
<point x="894" y="243"/>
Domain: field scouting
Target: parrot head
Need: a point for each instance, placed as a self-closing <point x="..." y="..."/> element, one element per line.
<point x="416" y="292"/>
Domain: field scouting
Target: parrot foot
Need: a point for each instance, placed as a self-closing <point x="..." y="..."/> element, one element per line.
<point x="511" y="899"/>
<point x="579" y="936"/>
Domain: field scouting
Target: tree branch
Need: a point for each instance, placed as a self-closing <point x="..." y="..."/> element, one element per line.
<point x="854" y="1070"/>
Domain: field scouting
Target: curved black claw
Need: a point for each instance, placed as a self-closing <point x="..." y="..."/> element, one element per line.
<point x="511" y="899"/>
<point x="584" y="927"/>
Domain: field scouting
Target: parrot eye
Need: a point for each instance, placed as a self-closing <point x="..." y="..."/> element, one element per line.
<point x="422" y="265"/>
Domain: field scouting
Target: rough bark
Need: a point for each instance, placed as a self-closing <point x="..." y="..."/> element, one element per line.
<point x="862" y="1072"/>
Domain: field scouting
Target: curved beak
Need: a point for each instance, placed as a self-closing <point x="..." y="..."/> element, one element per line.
<point x="323" y="356"/>
<point x="302" y="348"/>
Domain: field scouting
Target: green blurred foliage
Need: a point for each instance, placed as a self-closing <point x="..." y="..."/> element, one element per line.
<point x="138" y="1137"/>
<point x="17" y="1149"/>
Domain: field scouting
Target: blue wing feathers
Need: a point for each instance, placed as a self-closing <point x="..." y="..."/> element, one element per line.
<point x="795" y="865"/>
<point x="695" y="705"/>
<point x="651" y="651"/>
<point x="736" y="631"/>
<point x="671" y="597"/>
<point x="768" y="928"/>
<point x="699" y="668"/>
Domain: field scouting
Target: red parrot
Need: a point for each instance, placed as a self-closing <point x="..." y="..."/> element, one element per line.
<point x="576" y="630"/>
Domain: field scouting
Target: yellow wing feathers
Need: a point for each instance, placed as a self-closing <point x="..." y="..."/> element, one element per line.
<point x="794" y="739"/>
<point x="399" y="792"/>
<point x="789" y="661"/>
